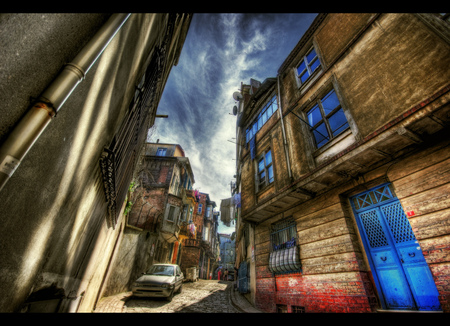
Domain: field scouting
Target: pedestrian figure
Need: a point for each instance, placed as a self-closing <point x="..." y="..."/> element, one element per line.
<point x="219" y="274"/>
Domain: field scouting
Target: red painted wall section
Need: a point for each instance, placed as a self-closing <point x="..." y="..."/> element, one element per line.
<point x="317" y="293"/>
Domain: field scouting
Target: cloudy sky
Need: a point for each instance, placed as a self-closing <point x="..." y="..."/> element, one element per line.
<point x="220" y="52"/>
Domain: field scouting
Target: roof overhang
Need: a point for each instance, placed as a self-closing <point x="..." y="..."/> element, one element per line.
<point x="414" y="129"/>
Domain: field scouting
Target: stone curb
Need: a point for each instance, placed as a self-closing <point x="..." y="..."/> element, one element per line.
<point x="240" y="302"/>
<point x="113" y="303"/>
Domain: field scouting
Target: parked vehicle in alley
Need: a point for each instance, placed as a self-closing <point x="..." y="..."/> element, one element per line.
<point x="161" y="280"/>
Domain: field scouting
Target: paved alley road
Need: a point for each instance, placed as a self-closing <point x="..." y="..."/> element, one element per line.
<point x="203" y="296"/>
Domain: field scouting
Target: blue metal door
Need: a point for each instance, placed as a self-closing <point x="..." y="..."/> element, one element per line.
<point x="401" y="271"/>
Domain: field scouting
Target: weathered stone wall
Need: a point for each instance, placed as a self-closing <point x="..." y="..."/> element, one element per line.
<point x="134" y="257"/>
<point x="54" y="230"/>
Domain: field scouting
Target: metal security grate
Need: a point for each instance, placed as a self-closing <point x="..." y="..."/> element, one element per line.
<point x="298" y="309"/>
<point x="283" y="234"/>
<point x="284" y="256"/>
<point x="374" y="230"/>
<point x="398" y="223"/>
<point x="120" y="158"/>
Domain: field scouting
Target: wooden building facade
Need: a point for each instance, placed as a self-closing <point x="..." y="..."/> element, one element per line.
<point x="343" y="164"/>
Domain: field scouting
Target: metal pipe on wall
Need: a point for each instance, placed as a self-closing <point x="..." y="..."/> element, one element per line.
<point x="28" y="130"/>
<point x="286" y="149"/>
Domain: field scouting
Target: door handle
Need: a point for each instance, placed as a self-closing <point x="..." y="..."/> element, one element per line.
<point x="411" y="254"/>
<point x="383" y="259"/>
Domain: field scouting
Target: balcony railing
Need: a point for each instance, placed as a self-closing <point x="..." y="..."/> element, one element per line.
<point x="191" y="242"/>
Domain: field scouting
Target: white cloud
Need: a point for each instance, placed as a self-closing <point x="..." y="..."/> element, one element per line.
<point x="220" y="52"/>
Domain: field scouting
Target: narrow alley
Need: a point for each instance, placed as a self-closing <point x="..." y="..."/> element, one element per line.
<point x="203" y="296"/>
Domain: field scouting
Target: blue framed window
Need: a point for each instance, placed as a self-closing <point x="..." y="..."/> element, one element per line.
<point x="264" y="175"/>
<point x="268" y="110"/>
<point x="326" y="119"/>
<point x="161" y="151"/>
<point x="310" y="63"/>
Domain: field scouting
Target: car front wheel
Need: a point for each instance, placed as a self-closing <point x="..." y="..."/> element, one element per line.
<point x="170" y="297"/>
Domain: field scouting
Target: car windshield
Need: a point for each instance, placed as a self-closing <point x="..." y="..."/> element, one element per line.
<point x="161" y="270"/>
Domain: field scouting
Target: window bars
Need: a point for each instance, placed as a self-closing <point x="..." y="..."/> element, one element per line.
<point x="119" y="159"/>
<point x="284" y="252"/>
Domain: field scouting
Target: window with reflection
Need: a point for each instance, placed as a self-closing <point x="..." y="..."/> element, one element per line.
<point x="264" y="170"/>
<point x="308" y="66"/>
<point x="326" y="119"/>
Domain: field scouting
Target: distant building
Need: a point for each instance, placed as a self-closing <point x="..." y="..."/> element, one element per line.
<point x="160" y="207"/>
<point x="200" y="247"/>
<point x="87" y="87"/>
<point x="343" y="170"/>
<point x="227" y="256"/>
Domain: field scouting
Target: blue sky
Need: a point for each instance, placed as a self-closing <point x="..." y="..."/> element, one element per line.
<point x="220" y="52"/>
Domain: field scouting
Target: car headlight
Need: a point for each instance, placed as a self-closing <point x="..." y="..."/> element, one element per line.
<point x="167" y="285"/>
<point x="137" y="284"/>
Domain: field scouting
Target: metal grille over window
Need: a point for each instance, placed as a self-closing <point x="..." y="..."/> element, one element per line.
<point x="399" y="225"/>
<point x="284" y="256"/>
<point x="119" y="159"/>
<point x="374" y="230"/>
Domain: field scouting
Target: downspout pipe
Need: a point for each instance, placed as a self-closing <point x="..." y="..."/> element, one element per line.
<point x="286" y="149"/>
<point x="45" y="107"/>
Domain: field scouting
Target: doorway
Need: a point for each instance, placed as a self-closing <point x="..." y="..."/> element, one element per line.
<point x="401" y="273"/>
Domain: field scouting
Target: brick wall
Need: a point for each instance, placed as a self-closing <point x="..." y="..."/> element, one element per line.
<point x="334" y="276"/>
<point x="189" y="257"/>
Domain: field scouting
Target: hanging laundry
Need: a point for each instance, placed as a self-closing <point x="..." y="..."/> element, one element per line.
<point x="197" y="195"/>
<point x="192" y="228"/>
<point x="226" y="211"/>
<point x="237" y="200"/>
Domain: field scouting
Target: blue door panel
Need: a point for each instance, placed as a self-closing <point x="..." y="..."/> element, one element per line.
<point x="397" y="294"/>
<point x="387" y="265"/>
<point x="423" y="287"/>
<point x="404" y="276"/>
<point x="384" y="259"/>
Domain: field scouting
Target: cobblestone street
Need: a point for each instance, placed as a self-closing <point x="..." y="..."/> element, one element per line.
<point x="207" y="296"/>
<point x="203" y="296"/>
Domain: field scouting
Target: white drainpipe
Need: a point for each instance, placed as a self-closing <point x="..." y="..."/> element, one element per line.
<point x="28" y="130"/>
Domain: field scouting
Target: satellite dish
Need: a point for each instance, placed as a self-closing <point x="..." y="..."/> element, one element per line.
<point x="237" y="96"/>
<point x="235" y="109"/>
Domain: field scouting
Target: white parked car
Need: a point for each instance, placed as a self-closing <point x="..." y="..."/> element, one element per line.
<point x="161" y="280"/>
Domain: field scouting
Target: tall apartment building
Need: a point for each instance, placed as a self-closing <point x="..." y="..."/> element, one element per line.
<point x="343" y="169"/>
